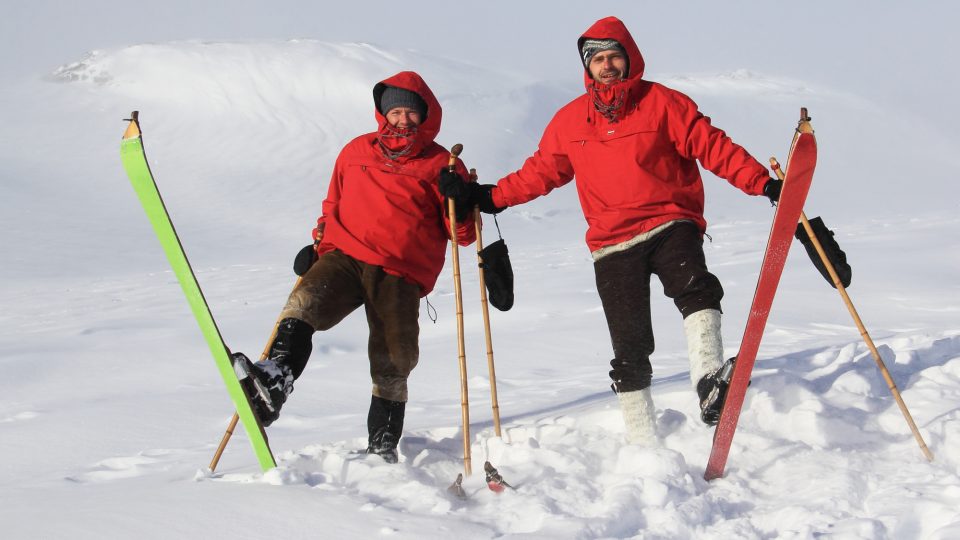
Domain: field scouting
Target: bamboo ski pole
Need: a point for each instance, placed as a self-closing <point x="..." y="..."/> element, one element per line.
<point x="458" y="295"/>
<point x="775" y="165"/>
<point x="236" y="417"/>
<point x="486" y="317"/>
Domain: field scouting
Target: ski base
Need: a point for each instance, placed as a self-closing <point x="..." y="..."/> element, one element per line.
<point x="141" y="178"/>
<point x="800" y="166"/>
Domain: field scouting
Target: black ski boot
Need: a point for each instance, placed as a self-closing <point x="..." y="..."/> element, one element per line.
<point x="712" y="390"/>
<point x="266" y="385"/>
<point x="384" y="426"/>
<point x="270" y="381"/>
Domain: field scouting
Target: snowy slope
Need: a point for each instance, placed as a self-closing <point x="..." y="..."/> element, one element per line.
<point x="110" y="406"/>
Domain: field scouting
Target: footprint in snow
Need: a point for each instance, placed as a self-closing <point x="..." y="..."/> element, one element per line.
<point x="118" y="468"/>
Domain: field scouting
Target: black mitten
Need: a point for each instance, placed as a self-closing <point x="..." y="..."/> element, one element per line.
<point x="304" y="259"/>
<point x="498" y="275"/>
<point x="836" y="256"/>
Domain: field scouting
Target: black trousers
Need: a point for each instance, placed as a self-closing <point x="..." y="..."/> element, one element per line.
<point x="675" y="255"/>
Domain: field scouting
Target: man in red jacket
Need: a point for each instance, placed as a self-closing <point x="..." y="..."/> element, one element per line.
<point x="633" y="146"/>
<point x="380" y="244"/>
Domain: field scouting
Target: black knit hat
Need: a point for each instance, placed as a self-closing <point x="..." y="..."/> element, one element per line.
<point x="590" y="47"/>
<point x="394" y="97"/>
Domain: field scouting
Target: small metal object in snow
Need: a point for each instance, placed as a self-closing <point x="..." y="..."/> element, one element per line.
<point x="456" y="489"/>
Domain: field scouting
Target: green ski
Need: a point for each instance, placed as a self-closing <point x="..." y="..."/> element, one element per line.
<point x="135" y="163"/>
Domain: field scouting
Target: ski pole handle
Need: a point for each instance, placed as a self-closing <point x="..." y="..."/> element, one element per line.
<point x="454" y="154"/>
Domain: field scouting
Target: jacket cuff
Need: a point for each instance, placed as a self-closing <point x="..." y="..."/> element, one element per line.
<point x="496" y="195"/>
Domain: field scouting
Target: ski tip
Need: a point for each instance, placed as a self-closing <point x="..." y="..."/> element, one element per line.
<point x="133" y="128"/>
<point x="804" y="125"/>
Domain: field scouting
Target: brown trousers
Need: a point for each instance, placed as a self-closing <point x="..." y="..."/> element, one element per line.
<point x="338" y="284"/>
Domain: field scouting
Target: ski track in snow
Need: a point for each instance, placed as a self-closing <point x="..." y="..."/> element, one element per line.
<point x="109" y="394"/>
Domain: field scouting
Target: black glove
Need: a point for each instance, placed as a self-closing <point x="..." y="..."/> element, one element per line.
<point x="467" y="194"/>
<point x="452" y="185"/>
<point x="772" y="190"/>
<point x="483" y="198"/>
<point x="304" y="259"/>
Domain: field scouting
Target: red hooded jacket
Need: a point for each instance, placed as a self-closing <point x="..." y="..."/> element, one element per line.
<point x="638" y="172"/>
<point x="389" y="212"/>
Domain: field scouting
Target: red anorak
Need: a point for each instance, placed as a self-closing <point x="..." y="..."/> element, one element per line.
<point x="389" y="212"/>
<point x="639" y="170"/>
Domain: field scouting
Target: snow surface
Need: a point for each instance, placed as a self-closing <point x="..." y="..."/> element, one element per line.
<point x="110" y="406"/>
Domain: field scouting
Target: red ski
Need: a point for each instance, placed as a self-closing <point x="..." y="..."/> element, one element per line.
<point x="800" y="165"/>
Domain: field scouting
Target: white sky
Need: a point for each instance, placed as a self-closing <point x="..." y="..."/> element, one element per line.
<point x="904" y="50"/>
<point x="528" y="35"/>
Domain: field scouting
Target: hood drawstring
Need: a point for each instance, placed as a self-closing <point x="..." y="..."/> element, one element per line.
<point x="615" y="109"/>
